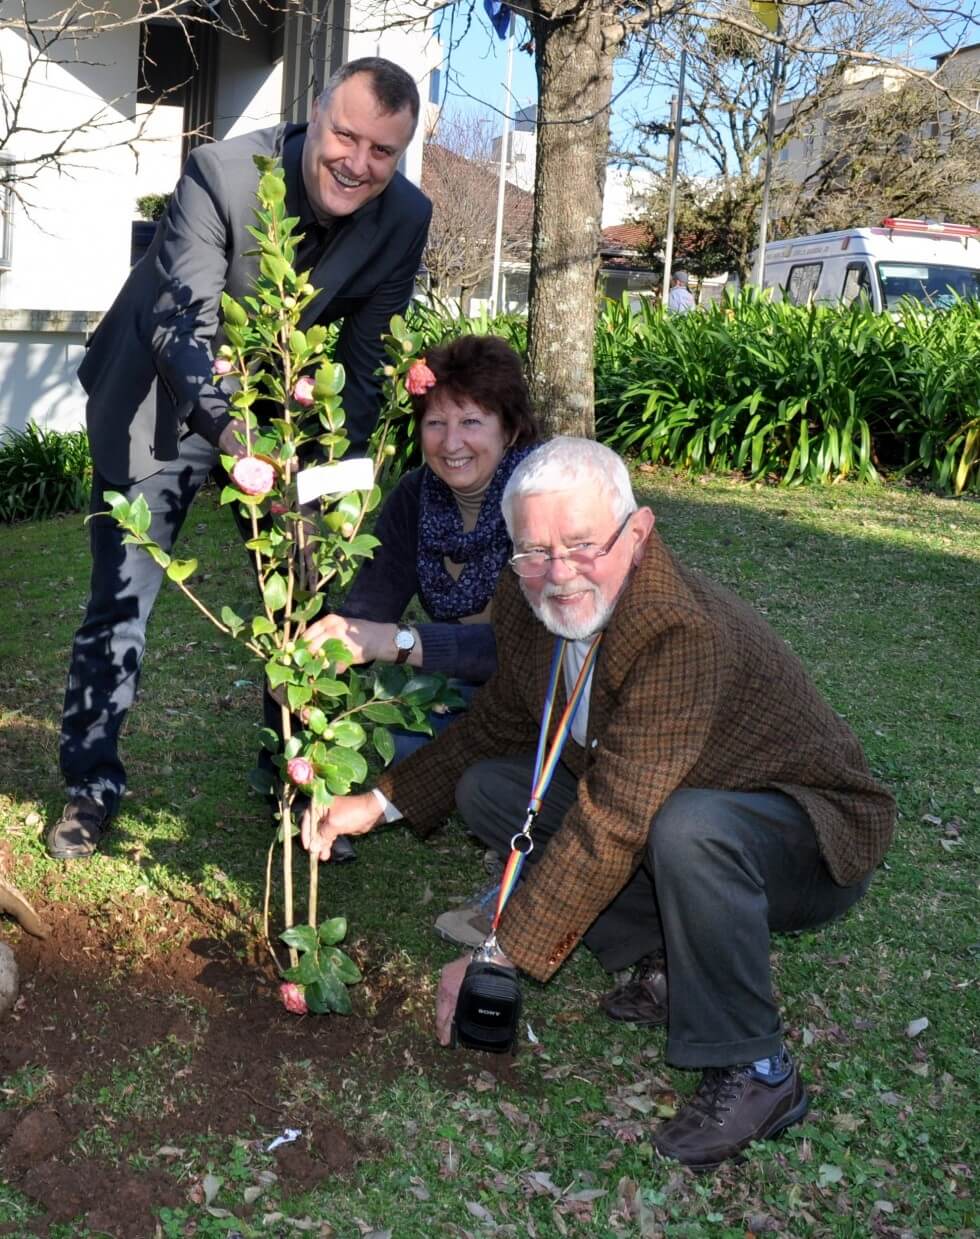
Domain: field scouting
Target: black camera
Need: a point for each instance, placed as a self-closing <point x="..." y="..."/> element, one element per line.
<point x="488" y="1008"/>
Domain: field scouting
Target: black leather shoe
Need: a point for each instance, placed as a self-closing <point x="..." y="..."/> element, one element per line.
<point x="76" y="834"/>
<point x="342" y="852"/>
<point x="643" y="998"/>
<point x="731" y="1107"/>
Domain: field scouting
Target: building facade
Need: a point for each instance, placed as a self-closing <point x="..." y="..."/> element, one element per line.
<point x="107" y="115"/>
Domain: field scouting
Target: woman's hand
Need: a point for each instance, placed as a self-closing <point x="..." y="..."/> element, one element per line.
<point x="366" y="639"/>
<point x="346" y="815"/>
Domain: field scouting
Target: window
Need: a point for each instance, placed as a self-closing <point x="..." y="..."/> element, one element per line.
<point x="930" y="283"/>
<point x="857" y="284"/>
<point x="802" y="284"/>
<point x="435" y="81"/>
<point x="6" y="216"/>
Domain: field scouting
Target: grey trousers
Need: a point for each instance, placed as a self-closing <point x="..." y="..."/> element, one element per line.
<point x="722" y="869"/>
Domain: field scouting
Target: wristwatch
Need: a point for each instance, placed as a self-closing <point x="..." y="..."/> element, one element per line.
<point x="405" y="639"/>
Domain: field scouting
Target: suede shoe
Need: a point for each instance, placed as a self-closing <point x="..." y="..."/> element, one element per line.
<point x="643" y="998"/>
<point x="76" y="834"/>
<point x="469" y="924"/>
<point x="731" y="1107"/>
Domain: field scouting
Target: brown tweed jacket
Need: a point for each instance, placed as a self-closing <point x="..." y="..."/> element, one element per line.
<point x="691" y="689"/>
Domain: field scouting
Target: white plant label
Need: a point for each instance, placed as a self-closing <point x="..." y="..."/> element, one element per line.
<point x="335" y="479"/>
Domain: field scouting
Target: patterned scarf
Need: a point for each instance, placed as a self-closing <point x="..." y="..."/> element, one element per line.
<point x="482" y="552"/>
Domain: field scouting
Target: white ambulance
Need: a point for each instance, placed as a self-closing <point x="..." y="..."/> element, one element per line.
<point x="932" y="262"/>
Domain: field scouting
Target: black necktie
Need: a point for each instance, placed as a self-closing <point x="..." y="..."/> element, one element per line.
<point x="313" y="244"/>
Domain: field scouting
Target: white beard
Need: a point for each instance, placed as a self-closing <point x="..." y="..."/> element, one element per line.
<point x="568" y="626"/>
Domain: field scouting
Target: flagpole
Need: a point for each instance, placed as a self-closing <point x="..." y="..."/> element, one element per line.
<point x="498" y="235"/>
<point x="760" y="264"/>
<point x="675" y="161"/>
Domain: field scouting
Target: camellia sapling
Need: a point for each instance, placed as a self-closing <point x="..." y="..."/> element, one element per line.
<point x="331" y="710"/>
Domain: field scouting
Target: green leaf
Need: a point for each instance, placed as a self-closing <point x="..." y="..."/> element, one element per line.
<point x="303" y="937"/>
<point x="335" y="651"/>
<point x="269" y="739"/>
<point x="420" y="690"/>
<point x="325" y="687"/>
<point x="342" y="964"/>
<point x="328" y="994"/>
<point x="344" y="766"/>
<point x="262" y="626"/>
<point x="139" y="515"/>
<point x="382" y="712"/>
<point x="316" y="720"/>
<point x="298" y="695"/>
<point x="118" y="505"/>
<point x="232" y="621"/>
<point x="329" y="380"/>
<point x="307" y="970"/>
<point x="293" y="746"/>
<point x="333" y="930"/>
<point x="274" y="592"/>
<point x="181" y="569"/>
<point x="384" y="744"/>
<point x="272" y="188"/>
<point x="157" y="554"/>
<point x="348" y="734"/>
<point x="232" y="312"/>
<point x="277" y="674"/>
<point x="274" y="268"/>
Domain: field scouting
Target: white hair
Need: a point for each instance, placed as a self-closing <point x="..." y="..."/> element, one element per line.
<point x="569" y="463"/>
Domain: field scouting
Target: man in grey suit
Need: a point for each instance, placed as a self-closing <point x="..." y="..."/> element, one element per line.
<point x="157" y="422"/>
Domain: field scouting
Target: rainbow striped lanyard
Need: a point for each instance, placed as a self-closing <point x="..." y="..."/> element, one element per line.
<point x="545" y="761"/>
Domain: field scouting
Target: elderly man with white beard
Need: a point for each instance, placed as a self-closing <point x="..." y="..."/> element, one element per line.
<point x="704" y="794"/>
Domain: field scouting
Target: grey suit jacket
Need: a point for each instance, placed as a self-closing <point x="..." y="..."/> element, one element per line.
<point x="149" y="363"/>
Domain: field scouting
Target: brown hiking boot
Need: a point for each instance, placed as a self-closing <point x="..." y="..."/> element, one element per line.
<point x="731" y="1107"/>
<point x="76" y="834"/>
<point x="643" y="998"/>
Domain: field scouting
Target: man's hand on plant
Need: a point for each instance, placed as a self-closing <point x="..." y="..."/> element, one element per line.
<point x="347" y="815"/>
<point x="366" y="639"/>
<point x="228" y="443"/>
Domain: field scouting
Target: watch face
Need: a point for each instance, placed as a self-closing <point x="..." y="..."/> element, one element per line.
<point x="404" y="639"/>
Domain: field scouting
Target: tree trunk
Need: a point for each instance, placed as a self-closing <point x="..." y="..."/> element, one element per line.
<point x="574" y="68"/>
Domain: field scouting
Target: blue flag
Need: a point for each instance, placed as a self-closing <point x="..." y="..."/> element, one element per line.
<point x="499" y="15"/>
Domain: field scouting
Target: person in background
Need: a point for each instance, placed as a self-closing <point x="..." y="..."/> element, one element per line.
<point x="679" y="299"/>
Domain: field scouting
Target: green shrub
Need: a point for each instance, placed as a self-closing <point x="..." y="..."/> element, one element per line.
<point x="152" y="206"/>
<point x="804" y="394"/>
<point x="43" y="472"/>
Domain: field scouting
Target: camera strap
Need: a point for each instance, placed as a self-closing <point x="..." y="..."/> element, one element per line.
<point x="545" y="762"/>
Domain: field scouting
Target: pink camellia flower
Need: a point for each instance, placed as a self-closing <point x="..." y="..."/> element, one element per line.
<point x="277" y="508"/>
<point x="222" y="365"/>
<point x="300" y="771"/>
<point x="253" y="475"/>
<point x="419" y="378"/>
<point x="303" y="391"/>
<point x="292" y="998"/>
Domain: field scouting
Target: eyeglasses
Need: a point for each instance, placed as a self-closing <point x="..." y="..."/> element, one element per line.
<point x="535" y="563"/>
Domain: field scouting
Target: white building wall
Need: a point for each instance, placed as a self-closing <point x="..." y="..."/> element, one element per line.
<point x="71" y="235"/>
<point x="249" y="87"/>
<point x="72" y="240"/>
<point x="418" y="51"/>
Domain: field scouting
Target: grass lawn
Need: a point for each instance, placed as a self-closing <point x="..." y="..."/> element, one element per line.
<point x="876" y="589"/>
